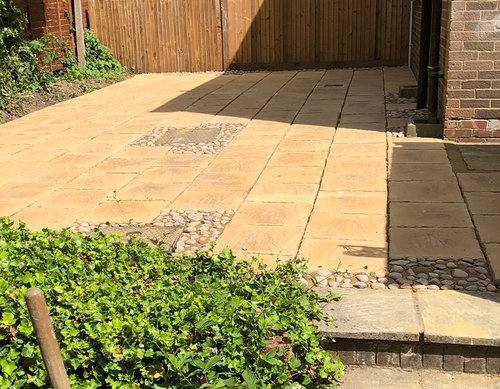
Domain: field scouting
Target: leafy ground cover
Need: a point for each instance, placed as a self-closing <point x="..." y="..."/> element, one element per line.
<point x="130" y="316"/>
<point x="27" y="84"/>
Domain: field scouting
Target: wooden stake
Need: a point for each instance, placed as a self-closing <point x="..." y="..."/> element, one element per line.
<point x="80" y="35"/>
<point x="46" y="338"/>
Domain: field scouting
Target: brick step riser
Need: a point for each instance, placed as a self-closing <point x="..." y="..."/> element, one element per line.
<point x="416" y="356"/>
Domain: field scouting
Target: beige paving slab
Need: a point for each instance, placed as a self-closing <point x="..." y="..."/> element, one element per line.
<point x="145" y="191"/>
<point x="313" y="134"/>
<point x="488" y="227"/>
<point x="283" y="193"/>
<point x="390" y="378"/>
<point x="465" y="318"/>
<point x="110" y="181"/>
<point x="185" y="160"/>
<point x="7" y="150"/>
<point x="37" y="218"/>
<point x="273" y="213"/>
<point x="421" y="172"/>
<point x="292" y="174"/>
<point x="13" y="169"/>
<point x="351" y="202"/>
<point x="55" y="175"/>
<point x="247" y="152"/>
<point x="122" y="165"/>
<point x="167" y="175"/>
<point x="252" y="140"/>
<point x="35" y="154"/>
<point x="336" y="164"/>
<point x="142" y="152"/>
<point x="483" y="203"/>
<point x="74" y="198"/>
<point x="11" y="206"/>
<point x="355" y="135"/>
<point x="298" y="159"/>
<point x="224" y="181"/>
<point x="75" y="160"/>
<point x="97" y="148"/>
<point x="479" y="182"/>
<point x="348" y="182"/>
<point x="429" y="215"/>
<point x="425" y="191"/>
<point x="358" y="150"/>
<point x="268" y="259"/>
<point x="434" y="242"/>
<point x="233" y="165"/>
<point x="289" y="145"/>
<point x="122" y="211"/>
<point x="56" y="142"/>
<point x="347" y="226"/>
<point x="397" y="156"/>
<point x="114" y="138"/>
<point x="283" y="239"/>
<point x="26" y="138"/>
<point x="25" y="190"/>
<point x="416" y="143"/>
<point x="493" y="254"/>
<point x="209" y="200"/>
<point x="344" y="255"/>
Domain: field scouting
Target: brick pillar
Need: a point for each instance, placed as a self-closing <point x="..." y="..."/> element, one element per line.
<point x="472" y="75"/>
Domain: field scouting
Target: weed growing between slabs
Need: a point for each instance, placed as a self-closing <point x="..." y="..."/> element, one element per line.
<point x="130" y="316"/>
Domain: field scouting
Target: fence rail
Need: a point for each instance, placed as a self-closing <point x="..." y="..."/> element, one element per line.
<point x="194" y="35"/>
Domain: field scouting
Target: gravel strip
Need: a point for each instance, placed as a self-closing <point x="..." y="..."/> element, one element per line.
<point x="395" y="132"/>
<point x="414" y="273"/>
<point x="408" y="113"/>
<point x="200" y="227"/>
<point x="227" y="132"/>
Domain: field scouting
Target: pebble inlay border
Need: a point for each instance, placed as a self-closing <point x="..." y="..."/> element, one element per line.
<point x="227" y="132"/>
<point x="200" y="227"/>
<point x="414" y="273"/>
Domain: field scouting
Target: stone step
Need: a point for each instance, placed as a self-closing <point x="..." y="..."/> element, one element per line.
<point x="441" y="330"/>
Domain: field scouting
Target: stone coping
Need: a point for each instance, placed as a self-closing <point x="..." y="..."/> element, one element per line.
<point x="451" y="317"/>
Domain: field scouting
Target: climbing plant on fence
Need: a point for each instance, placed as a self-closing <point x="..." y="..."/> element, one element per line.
<point x="130" y="316"/>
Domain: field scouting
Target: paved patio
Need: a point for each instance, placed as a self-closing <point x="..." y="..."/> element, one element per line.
<point x="307" y="176"/>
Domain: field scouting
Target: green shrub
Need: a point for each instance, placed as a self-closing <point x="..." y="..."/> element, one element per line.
<point x="130" y="316"/>
<point x="19" y="70"/>
<point x="100" y="62"/>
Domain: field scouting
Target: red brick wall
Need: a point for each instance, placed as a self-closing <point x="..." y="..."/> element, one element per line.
<point x="415" y="37"/>
<point x="473" y="71"/>
<point x="50" y="17"/>
<point x="443" y="57"/>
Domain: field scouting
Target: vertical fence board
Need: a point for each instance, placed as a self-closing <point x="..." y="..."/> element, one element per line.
<point x="186" y="35"/>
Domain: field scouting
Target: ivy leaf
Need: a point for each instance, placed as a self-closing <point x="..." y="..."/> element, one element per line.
<point x="250" y="379"/>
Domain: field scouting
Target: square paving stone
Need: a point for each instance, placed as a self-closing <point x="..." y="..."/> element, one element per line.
<point x="355" y="182"/>
<point x="347" y="226"/>
<point x="488" y="227"/>
<point x="449" y="243"/>
<point x="483" y="203"/>
<point x="425" y="191"/>
<point x="479" y="182"/>
<point x="421" y="172"/>
<point x="493" y="254"/>
<point x="456" y="317"/>
<point x="429" y="215"/>
<point x="416" y="156"/>
<point x="351" y="202"/>
<point x="351" y="255"/>
<point x="365" y="315"/>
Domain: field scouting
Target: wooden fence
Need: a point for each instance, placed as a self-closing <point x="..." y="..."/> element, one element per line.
<point x="160" y="35"/>
<point x="203" y="35"/>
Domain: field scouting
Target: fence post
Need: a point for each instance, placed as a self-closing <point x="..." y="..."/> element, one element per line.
<point x="46" y="338"/>
<point x="225" y="35"/>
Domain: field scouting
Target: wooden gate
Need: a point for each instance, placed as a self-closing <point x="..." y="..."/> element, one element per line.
<point x="204" y="35"/>
<point x="316" y="33"/>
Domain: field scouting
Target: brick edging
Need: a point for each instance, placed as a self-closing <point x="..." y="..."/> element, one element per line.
<point x="472" y="130"/>
<point x="416" y="356"/>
